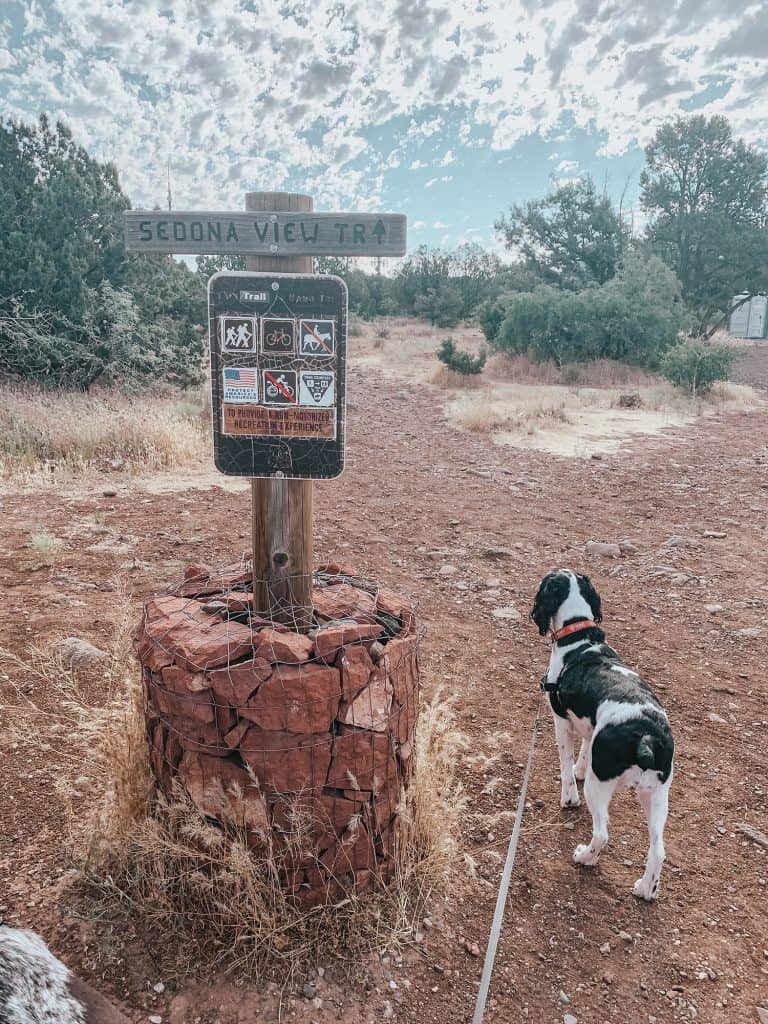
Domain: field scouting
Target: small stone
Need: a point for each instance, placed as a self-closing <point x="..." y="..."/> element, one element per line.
<point x="570" y="1019"/>
<point x="472" y="948"/>
<point x="718" y="719"/>
<point x="714" y="534"/>
<point x="386" y="1011"/>
<point x="109" y="493"/>
<point x="762" y="1014"/>
<point x="605" y="949"/>
<point x="507" y="612"/>
<point x="155" y="1019"/>
<point x="749" y="632"/>
<point x="627" y="547"/>
<point x="159" y="988"/>
<point x="674" y="541"/>
<point x="447" y="570"/>
<point x="625" y="936"/>
<point x="309" y="990"/>
<point x="602" y="549"/>
<point x="79" y="654"/>
<point x="497" y="553"/>
<point x="563" y="997"/>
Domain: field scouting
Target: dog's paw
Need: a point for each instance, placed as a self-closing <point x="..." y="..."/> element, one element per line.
<point x="584" y="854"/>
<point x="646" y="889"/>
<point x="570" y="797"/>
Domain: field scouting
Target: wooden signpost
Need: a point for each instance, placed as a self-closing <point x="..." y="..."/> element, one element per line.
<point x="283" y="233"/>
<point x="275" y="419"/>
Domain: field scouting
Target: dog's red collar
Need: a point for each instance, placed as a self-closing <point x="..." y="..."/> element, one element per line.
<point x="575" y="627"/>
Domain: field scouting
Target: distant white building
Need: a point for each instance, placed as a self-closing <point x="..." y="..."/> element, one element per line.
<point x="749" y="319"/>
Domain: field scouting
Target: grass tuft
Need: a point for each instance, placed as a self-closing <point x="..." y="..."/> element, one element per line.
<point x="57" y="435"/>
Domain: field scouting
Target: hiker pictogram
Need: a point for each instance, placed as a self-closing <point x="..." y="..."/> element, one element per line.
<point x="239" y="334"/>
<point x="277" y="336"/>
<point x="280" y="387"/>
<point x="317" y="389"/>
<point x="316" y="338"/>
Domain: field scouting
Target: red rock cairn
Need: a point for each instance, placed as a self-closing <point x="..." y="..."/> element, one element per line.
<point x="303" y="741"/>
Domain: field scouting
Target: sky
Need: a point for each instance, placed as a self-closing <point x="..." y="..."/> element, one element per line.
<point x="445" y="110"/>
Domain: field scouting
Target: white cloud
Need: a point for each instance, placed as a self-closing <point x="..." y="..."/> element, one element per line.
<point x="418" y="225"/>
<point x="294" y="96"/>
<point x="566" y="167"/>
<point x="440" y="226"/>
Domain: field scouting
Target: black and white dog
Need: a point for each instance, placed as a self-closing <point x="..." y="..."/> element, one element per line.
<point x="625" y="736"/>
<point x="36" y="988"/>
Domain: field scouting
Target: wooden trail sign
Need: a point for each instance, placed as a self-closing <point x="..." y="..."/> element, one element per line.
<point x="278" y="358"/>
<point x="278" y="233"/>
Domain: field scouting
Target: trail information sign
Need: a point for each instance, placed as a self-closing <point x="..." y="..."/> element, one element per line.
<point x="278" y="364"/>
<point x="266" y="234"/>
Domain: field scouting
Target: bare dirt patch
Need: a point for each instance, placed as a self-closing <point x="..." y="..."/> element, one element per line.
<point x="434" y="497"/>
<point x="574" y="410"/>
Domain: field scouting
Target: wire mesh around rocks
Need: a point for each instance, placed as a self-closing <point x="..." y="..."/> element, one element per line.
<point x="302" y="740"/>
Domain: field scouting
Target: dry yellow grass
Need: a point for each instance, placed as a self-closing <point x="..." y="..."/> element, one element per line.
<point x="64" y="434"/>
<point x="599" y="373"/>
<point x="583" y="420"/>
<point x="195" y="891"/>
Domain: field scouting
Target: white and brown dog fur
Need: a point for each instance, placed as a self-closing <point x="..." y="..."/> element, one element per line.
<point x="36" y="988"/>
<point x="625" y="736"/>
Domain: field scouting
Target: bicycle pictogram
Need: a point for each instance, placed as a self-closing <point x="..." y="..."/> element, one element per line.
<point x="277" y="336"/>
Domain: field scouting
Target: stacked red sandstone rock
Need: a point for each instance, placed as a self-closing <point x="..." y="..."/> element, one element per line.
<point x="303" y="741"/>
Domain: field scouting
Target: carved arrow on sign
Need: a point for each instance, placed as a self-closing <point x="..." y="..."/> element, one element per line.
<point x="379" y="230"/>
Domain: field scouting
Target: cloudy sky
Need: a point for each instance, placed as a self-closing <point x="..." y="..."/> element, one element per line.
<point x="446" y="110"/>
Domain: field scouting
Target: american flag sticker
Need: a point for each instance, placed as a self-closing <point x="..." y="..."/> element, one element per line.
<point x="240" y="384"/>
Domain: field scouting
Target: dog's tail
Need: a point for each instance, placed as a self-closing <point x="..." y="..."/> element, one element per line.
<point x="646" y="751"/>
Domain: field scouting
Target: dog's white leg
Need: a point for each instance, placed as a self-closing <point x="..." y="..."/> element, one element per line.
<point x="656" y="805"/>
<point x="598" y="795"/>
<point x="582" y="762"/>
<point x="569" y="793"/>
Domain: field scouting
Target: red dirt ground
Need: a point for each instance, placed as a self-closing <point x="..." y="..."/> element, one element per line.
<point x="416" y="496"/>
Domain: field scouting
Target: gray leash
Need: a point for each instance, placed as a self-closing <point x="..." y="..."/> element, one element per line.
<point x="501" y="899"/>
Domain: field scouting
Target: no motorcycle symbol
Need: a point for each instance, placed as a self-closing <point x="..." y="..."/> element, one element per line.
<point x="280" y="387"/>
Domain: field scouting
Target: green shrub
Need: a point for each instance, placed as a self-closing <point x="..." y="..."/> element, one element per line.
<point x="695" y="366"/>
<point x="440" y="305"/>
<point x="635" y="317"/>
<point x="491" y="316"/>
<point x="459" y="361"/>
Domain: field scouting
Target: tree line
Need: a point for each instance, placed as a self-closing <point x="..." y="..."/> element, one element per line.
<point x="579" y="282"/>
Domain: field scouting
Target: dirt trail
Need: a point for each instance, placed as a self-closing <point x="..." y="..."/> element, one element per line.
<point x="418" y="495"/>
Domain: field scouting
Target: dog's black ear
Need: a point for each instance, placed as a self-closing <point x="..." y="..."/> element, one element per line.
<point x="591" y="596"/>
<point x="553" y="590"/>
